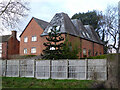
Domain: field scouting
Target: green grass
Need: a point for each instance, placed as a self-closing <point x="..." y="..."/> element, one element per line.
<point x="17" y="82"/>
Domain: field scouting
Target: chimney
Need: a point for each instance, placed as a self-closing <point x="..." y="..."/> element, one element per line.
<point x="14" y="33"/>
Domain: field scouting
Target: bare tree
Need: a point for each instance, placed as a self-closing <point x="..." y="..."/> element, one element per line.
<point x="111" y="19"/>
<point x="109" y="27"/>
<point x="12" y="11"/>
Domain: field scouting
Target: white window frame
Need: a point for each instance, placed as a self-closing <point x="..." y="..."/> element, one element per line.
<point x="25" y="50"/>
<point x="84" y="51"/>
<point x="0" y="46"/>
<point x="52" y="48"/>
<point x="25" y="39"/>
<point x="88" y="35"/>
<point x="34" y="38"/>
<point x="33" y="50"/>
<point x="83" y="34"/>
<point x="49" y="29"/>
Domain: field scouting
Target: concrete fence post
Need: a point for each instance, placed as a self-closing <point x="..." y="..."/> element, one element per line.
<point x="5" y="68"/>
<point x="86" y="66"/>
<point x="34" y="70"/>
<point x="19" y="68"/>
<point x="67" y="68"/>
<point x="50" y="70"/>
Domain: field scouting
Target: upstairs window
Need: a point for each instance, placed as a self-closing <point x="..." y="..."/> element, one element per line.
<point x="25" y="50"/>
<point x="83" y="34"/>
<point x="33" y="50"/>
<point x="25" y="39"/>
<point x="34" y="38"/>
<point x="88" y="35"/>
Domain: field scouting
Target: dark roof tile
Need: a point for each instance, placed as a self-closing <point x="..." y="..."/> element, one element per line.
<point x="5" y="38"/>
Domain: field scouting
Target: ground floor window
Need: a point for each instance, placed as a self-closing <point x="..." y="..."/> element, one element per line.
<point x="25" y="50"/>
<point x="33" y="50"/>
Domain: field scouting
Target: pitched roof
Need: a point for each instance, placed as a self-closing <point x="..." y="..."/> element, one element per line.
<point x="73" y="27"/>
<point x="5" y="38"/>
<point x="93" y="34"/>
<point x="41" y="23"/>
<point x="63" y="20"/>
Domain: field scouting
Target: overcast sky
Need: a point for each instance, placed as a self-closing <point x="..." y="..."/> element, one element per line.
<point x="46" y="9"/>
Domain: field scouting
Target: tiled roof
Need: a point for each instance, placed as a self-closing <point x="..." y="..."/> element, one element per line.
<point x="73" y="27"/>
<point x="43" y="24"/>
<point x="5" y="38"/>
<point x="62" y="19"/>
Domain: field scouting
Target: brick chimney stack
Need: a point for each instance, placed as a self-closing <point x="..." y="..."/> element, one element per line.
<point x="14" y="34"/>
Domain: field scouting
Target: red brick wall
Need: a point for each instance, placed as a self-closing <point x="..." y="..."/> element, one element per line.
<point x="88" y="45"/>
<point x="75" y="41"/>
<point x="98" y="48"/>
<point x="13" y="46"/>
<point x="4" y="50"/>
<point x="32" y="29"/>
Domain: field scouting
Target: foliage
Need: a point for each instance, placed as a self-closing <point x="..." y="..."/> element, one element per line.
<point x="68" y="51"/>
<point x="88" y="18"/>
<point x="18" y="82"/>
<point x="21" y="56"/>
<point x="96" y="57"/>
<point x="53" y="46"/>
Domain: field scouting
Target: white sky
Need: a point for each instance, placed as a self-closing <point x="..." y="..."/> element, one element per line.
<point x="46" y="9"/>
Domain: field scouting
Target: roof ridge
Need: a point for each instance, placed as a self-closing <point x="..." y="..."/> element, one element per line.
<point x="40" y="19"/>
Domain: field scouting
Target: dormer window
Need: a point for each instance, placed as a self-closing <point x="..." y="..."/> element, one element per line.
<point x="25" y="39"/>
<point x="83" y="34"/>
<point x="49" y="30"/>
<point x="88" y="35"/>
<point x="34" y="38"/>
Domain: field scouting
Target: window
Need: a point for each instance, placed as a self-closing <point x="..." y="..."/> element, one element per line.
<point x="89" y="52"/>
<point x="96" y="53"/>
<point x="84" y="53"/>
<point x="49" y="29"/>
<point x="25" y="39"/>
<point x="25" y="50"/>
<point x="83" y="34"/>
<point x="0" y="45"/>
<point x="34" y="38"/>
<point x="52" y="48"/>
<point x="88" y="35"/>
<point x="33" y="50"/>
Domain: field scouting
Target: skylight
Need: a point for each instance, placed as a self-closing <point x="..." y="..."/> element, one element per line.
<point x="49" y="29"/>
<point x="88" y="35"/>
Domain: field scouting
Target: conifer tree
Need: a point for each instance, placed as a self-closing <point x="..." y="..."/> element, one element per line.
<point x="53" y="46"/>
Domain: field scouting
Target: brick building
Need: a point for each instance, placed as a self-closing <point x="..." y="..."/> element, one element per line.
<point x="9" y="45"/>
<point x="84" y="36"/>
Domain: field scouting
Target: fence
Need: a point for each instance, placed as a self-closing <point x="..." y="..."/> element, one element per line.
<point x="56" y="69"/>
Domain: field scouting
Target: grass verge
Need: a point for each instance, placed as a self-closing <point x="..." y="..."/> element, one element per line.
<point x="18" y="82"/>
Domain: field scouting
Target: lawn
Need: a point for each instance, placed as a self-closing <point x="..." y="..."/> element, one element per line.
<point x="19" y="82"/>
